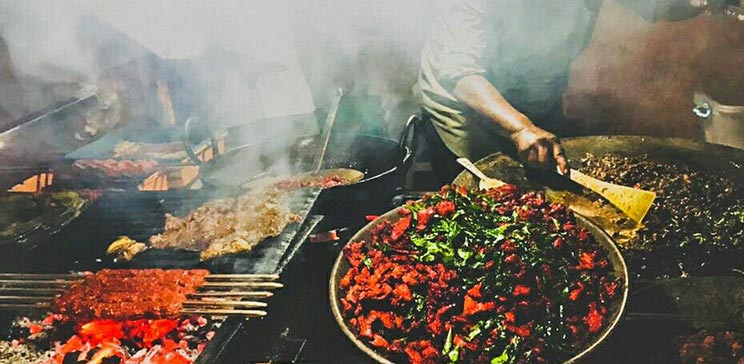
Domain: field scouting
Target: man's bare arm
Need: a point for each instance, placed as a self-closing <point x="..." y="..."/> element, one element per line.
<point x="535" y="146"/>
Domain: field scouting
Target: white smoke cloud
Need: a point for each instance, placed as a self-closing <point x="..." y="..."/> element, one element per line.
<point x="288" y="56"/>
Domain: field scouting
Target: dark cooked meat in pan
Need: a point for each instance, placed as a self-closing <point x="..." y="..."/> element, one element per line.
<point x="698" y="216"/>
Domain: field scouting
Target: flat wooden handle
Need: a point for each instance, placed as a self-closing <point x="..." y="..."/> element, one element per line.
<point x="634" y="202"/>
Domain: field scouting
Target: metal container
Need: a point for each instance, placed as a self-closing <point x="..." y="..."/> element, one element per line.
<point x="341" y="266"/>
<point x="723" y="124"/>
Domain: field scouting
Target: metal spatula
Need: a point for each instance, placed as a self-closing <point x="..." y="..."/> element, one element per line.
<point x="485" y="182"/>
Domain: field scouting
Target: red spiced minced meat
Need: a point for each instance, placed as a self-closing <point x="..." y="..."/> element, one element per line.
<point x="493" y="277"/>
<point x="127" y="294"/>
<point x="312" y="181"/>
<point x="707" y="347"/>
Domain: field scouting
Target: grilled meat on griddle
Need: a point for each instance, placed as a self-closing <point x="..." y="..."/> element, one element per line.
<point x="118" y="168"/>
<point x="228" y="226"/>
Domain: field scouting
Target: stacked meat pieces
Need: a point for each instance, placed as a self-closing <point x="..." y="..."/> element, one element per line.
<point x="228" y="226"/>
<point x="118" y="168"/>
<point x="127" y="294"/>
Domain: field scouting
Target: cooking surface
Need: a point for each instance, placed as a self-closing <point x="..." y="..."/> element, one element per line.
<point x="300" y="327"/>
<point x="82" y="244"/>
<point x="689" y="228"/>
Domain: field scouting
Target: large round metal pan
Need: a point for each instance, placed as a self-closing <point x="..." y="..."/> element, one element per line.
<point x="373" y="155"/>
<point x="702" y="156"/>
<point x="605" y="241"/>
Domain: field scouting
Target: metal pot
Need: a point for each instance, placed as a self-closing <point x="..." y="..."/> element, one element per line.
<point x="342" y="266"/>
<point x="723" y="124"/>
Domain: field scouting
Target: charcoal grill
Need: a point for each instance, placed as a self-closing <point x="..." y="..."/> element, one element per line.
<point x="81" y="245"/>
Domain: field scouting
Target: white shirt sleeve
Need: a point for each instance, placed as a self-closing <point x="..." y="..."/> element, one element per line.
<point x="462" y="33"/>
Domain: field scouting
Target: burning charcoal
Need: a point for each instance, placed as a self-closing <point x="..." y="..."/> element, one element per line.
<point x="201" y="321"/>
<point x="107" y="341"/>
<point x="111" y="360"/>
<point x="71" y="358"/>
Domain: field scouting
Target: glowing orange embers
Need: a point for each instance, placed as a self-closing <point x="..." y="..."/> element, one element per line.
<point x="34" y="183"/>
<point x="156" y="341"/>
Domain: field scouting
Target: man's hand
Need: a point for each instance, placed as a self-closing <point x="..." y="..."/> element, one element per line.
<point x="535" y="146"/>
<point x="539" y="148"/>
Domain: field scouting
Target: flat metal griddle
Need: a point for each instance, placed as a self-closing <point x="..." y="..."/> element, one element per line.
<point x="82" y="245"/>
<point x="264" y="258"/>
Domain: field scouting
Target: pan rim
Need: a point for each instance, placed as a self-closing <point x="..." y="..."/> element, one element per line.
<point x="605" y="241"/>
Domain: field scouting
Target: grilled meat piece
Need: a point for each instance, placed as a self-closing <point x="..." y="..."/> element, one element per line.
<point x="125" y="248"/>
<point x="312" y="181"/>
<point x="228" y="226"/>
<point x="132" y="150"/>
<point x="118" y="168"/>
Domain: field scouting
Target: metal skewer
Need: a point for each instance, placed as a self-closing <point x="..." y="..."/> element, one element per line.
<point x="245" y="304"/>
<point x="247" y="313"/>
<point x="42" y="275"/>
<point x="24" y="306"/>
<point x="31" y="291"/>
<point x="80" y="276"/>
<point x="35" y="282"/>
<point x="221" y="294"/>
<point x="256" y="277"/>
<point x="264" y="285"/>
<point x="246" y="294"/>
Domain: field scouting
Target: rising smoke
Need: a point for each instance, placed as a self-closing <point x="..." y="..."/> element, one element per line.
<point x="235" y="61"/>
<point x="225" y="55"/>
